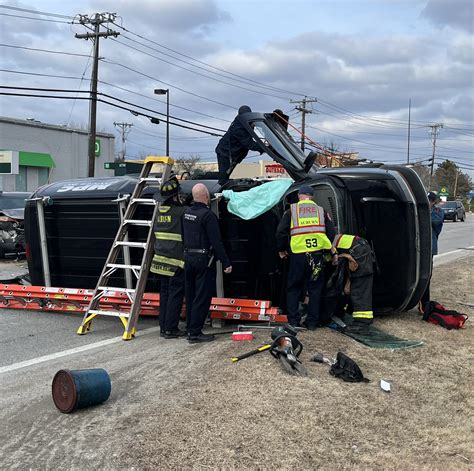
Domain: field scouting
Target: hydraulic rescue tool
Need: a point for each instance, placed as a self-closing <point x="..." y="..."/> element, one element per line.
<point x="286" y="348"/>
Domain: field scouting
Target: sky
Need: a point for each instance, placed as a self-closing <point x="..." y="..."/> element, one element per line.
<point x="359" y="62"/>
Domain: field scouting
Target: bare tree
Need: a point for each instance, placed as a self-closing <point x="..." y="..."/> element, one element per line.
<point x="424" y="173"/>
<point x="188" y="164"/>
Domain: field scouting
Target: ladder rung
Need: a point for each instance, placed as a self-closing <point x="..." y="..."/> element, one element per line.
<point x="100" y="312"/>
<point x="118" y="290"/>
<point x="141" y="245"/>
<point x="121" y="265"/>
<point x="149" y="201"/>
<point x="137" y="222"/>
<point x="150" y="180"/>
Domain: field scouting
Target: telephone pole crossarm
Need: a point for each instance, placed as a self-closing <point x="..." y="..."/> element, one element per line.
<point x="304" y="111"/>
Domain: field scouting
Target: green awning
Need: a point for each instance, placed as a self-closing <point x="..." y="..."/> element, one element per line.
<point x="36" y="159"/>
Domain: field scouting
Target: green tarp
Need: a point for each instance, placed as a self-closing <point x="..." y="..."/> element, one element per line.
<point x="256" y="201"/>
<point x="374" y="337"/>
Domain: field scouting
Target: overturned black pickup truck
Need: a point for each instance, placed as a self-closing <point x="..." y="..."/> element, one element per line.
<point x="387" y="205"/>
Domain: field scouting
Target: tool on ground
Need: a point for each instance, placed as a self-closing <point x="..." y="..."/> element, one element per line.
<point x="286" y="348"/>
<point x="76" y="389"/>
<point x="263" y="348"/>
<point x="320" y="358"/>
<point x="121" y="247"/>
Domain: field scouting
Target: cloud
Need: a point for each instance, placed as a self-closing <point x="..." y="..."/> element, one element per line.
<point x="368" y="74"/>
<point x="457" y="14"/>
<point x="194" y="17"/>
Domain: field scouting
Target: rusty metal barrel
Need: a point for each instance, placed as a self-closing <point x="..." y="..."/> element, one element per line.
<point x="77" y="389"/>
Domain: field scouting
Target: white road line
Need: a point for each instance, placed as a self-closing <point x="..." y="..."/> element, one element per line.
<point x="71" y="351"/>
<point x="453" y="251"/>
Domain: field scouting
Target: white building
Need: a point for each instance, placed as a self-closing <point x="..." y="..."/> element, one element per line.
<point x="34" y="153"/>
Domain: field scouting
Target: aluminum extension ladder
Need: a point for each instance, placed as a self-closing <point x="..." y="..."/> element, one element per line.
<point x="122" y="244"/>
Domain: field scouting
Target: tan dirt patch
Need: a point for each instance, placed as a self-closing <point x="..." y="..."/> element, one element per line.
<point x="216" y="414"/>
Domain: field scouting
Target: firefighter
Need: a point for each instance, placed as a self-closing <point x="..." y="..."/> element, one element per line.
<point x="203" y="244"/>
<point x="304" y="234"/>
<point x="168" y="261"/>
<point x="234" y="146"/>
<point x="361" y="273"/>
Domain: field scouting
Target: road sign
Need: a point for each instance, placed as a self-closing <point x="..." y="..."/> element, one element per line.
<point x="444" y="191"/>
<point x="97" y="147"/>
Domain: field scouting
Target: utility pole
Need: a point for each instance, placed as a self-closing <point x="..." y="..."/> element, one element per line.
<point x="434" y="134"/>
<point x="302" y="108"/>
<point x="96" y="22"/>
<point x="456" y="181"/>
<point x="124" y="132"/>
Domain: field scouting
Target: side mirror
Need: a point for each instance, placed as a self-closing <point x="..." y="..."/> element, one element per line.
<point x="309" y="161"/>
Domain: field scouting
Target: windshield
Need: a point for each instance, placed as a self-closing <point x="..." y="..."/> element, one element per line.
<point x="12" y="202"/>
<point x="448" y="204"/>
<point x="275" y="139"/>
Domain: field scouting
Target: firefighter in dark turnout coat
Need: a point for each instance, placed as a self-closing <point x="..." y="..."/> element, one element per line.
<point x="234" y="146"/>
<point x="168" y="261"/>
<point x="361" y="274"/>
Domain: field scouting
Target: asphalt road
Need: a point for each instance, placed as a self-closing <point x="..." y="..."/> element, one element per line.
<point x="455" y="239"/>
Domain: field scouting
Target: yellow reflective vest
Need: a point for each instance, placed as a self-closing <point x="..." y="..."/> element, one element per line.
<point x="343" y="241"/>
<point x="308" y="228"/>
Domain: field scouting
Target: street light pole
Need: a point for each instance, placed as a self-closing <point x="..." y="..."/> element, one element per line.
<point x="166" y="91"/>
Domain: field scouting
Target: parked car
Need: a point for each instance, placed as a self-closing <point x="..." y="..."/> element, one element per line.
<point x="12" y="214"/>
<point x="387" y="205"/>
<point x="453" y="211"/>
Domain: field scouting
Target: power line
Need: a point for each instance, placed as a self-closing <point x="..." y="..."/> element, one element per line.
<point x="80" y="85"/>
<point x="160" y="101"/>
<point x="134" y="112"/>
<point x="21" y="72"/>
<point x="37" y="19"/>
<point x="344" y="111"/>
<point x="44" y="50"/>
<point x="355" y="140"/>
<point x="62" y="90"/>
<point x="457" y="150"/>
<point x="169" y="85"/>
<point x="36" y="12"/>
<point x="197" y="73"/>
<point x="231" y="74"/>
<point x="162" y="114"/>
